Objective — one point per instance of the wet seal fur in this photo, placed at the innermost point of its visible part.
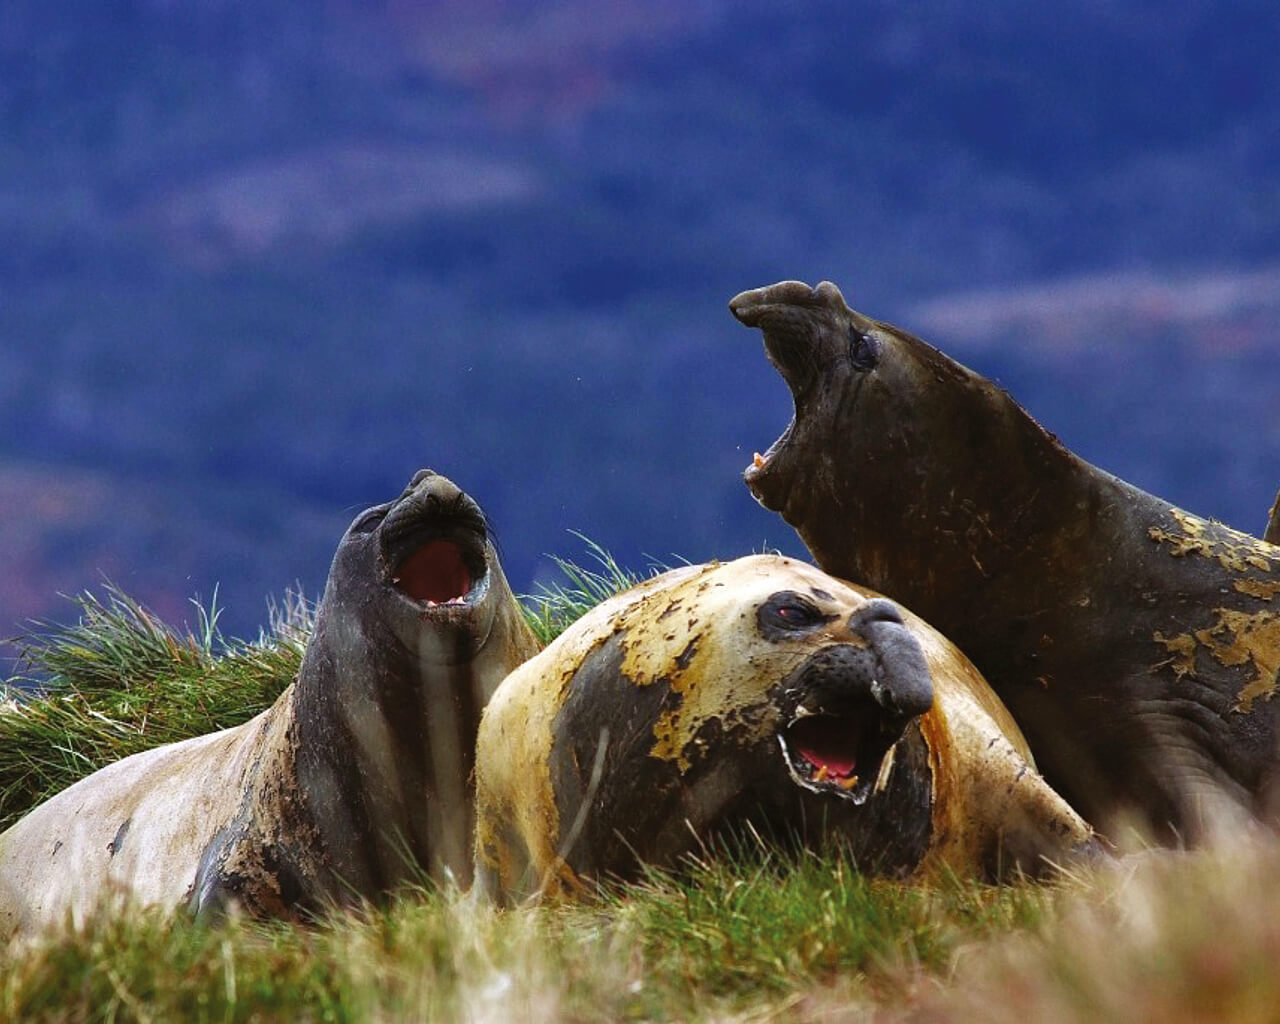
(358, 777)
(1138, 646)
(757, 693)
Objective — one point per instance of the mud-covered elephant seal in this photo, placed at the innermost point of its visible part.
(357, 775)
(761, 693)
(1137, 645)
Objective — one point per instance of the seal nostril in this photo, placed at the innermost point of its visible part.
(878, 609)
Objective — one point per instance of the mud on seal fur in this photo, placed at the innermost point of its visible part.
(761, 692)
(356, 778)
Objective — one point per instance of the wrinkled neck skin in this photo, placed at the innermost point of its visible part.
(388, 703)
(1087, 603)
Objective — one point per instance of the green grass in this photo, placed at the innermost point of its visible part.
(118, 681)
(721, 941)
(556, 606)
(1169, 937)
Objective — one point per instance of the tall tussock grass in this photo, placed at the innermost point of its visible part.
(118, 681)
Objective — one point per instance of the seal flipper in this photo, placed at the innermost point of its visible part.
(210, 898)
(1272, 536)
(238, 873)
(1016, 822)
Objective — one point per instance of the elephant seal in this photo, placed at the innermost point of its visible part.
(763, 694)
(356, 778)
(1136, 645)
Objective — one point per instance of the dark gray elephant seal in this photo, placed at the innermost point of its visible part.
(356, 778)
(1138, 646)
(759, 693)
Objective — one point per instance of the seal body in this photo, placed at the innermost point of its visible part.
(1136, 645)
(758, 694)
(358, 777)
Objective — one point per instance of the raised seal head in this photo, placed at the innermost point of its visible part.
(872, 403)
(421, 572)
(416, 629)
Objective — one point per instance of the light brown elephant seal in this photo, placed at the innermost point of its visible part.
(1137, 645)
(358, 777)
(759, 693)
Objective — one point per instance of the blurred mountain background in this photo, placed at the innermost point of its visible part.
(262, 260)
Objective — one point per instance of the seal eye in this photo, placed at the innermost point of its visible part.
(367, 520)
(787, 613)
(864, 349)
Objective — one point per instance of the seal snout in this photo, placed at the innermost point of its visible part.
(756, 307)
(849, 703)
(903, 687)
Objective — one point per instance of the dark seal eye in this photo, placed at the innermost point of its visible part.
(787, 613)
(368, 520)
(864, 349)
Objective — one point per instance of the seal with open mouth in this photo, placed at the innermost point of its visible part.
(1137, 645)
(760, 693)
(357, 778)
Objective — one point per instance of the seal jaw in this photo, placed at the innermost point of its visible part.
(839, 755)
(807, 333)
(441, 569)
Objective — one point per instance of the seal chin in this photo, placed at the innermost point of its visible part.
(841, 754)
(763, 476)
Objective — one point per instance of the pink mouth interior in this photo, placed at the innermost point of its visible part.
(436, 574)
(824, 742)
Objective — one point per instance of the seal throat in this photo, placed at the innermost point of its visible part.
(837, 754)
(435, 574)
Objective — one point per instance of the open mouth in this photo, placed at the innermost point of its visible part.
(839, 754)
(435, 574)
(787, 348)
(760, 462)
(438, 561)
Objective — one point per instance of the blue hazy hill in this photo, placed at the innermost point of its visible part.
(264, 260)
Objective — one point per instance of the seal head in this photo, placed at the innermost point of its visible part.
(416, 629)
(850, 702)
